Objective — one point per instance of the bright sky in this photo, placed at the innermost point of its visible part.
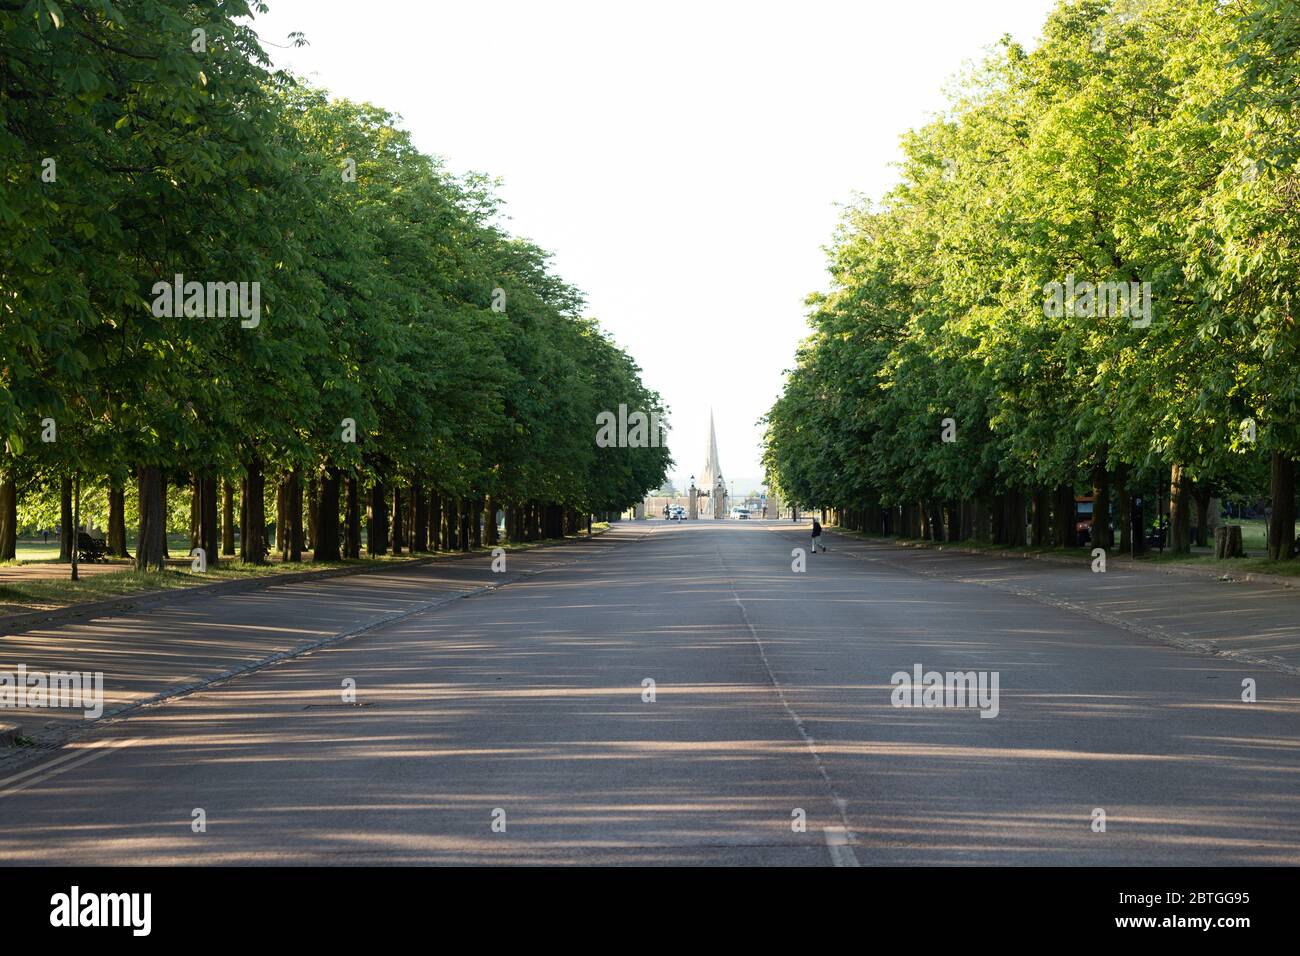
(683, 160)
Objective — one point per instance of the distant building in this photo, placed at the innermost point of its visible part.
(712, 473)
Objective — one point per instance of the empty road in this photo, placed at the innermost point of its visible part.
(519, 726)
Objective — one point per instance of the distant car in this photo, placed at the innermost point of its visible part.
(1083, 521)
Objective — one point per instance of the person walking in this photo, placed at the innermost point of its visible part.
(816, 535)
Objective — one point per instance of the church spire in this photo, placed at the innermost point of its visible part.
(712, 470)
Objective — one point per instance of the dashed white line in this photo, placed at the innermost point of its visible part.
(837, 841)
(842, 849)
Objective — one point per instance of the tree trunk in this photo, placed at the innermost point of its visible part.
(295, 517)
(436, 541)
(228, 520)
(1227, 541)
(1041, 525)
(1014, 519)
(1281, 526)
(326, 535)
(408, 519)
(354, 519)
(149, 548)
(252, 545)
(116, 542)
(281, 514)
(1202, 492)
(959, 518)
(490, 521)
(67, 534)
(1137, 524)
(1180, 510)
(313, 512)
(8, 520)
(1101, 535)
(476, 524)
(209, 530)
(1123, 507)
(398, 539)
(377, 525)
(195, 494)
(420, 529)
(352, 514)
(1065, 536)
(76, 519)
(981, 528)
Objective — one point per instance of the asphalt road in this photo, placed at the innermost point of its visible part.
(527, 706)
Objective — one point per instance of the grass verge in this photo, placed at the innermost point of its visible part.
(17, 597)
(1205, 562)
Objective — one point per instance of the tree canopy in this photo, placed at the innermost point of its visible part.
(1083, 280)
(374, 321)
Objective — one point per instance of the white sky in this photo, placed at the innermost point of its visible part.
(683, 160)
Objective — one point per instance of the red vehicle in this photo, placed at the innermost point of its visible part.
(1083, 519)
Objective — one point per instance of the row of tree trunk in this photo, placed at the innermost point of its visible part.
(411, 518)
(1045, 517)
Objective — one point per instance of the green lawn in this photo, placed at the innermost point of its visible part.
(1252, 535)
(37, 549)
(20, 596)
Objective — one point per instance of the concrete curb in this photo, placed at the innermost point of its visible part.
(18, 623)
(1120, 564)
(9, 734)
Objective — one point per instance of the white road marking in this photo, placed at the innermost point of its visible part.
(837, 841)
(842, 850)
(77, 758)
